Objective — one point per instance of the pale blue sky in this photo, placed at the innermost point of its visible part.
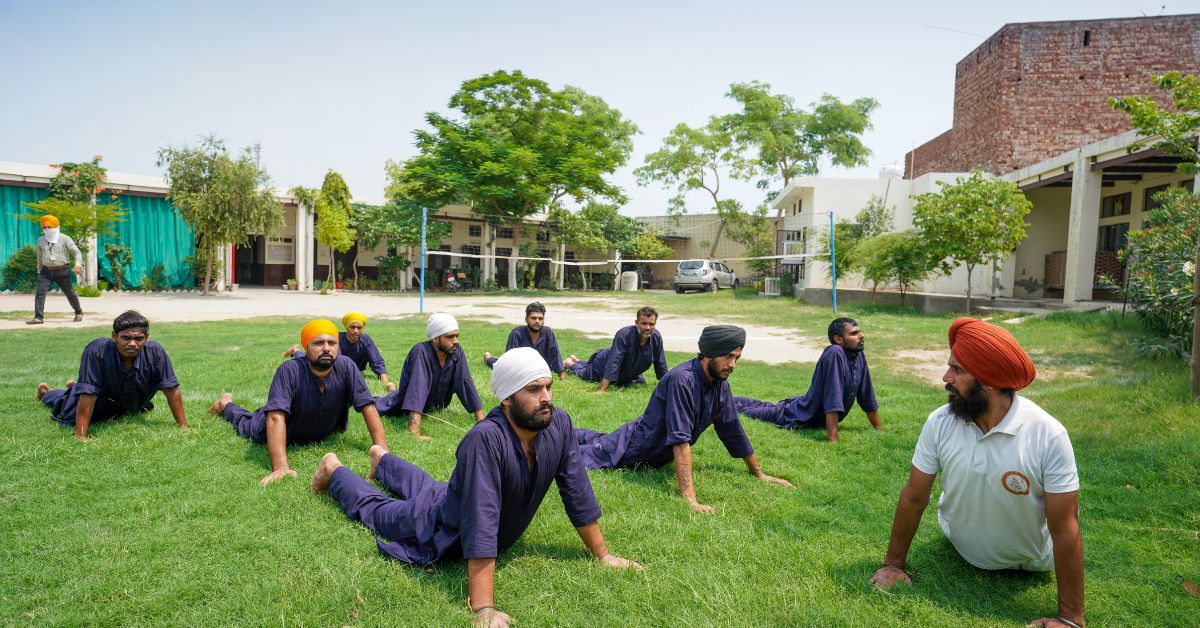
(343, 84)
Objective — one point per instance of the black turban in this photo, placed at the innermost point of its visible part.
(721, 340)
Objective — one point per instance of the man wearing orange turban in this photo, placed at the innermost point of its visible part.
(1009, 480)
(357, 346)
(310, 398)
(55, 251)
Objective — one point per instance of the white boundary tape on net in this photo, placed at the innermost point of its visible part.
(615, 261)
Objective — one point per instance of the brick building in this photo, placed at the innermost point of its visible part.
(1034, 90)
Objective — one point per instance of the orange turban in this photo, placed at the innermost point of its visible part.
(317, 328)
(990, 354)
(48, 221)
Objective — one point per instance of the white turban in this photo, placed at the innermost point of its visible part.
(515, 369)
(440, 324)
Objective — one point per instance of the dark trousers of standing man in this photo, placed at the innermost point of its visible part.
(61, 276)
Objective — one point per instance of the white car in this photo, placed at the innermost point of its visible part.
(703, 274)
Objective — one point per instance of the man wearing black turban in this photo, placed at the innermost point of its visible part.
(841, 377)
(688, 399)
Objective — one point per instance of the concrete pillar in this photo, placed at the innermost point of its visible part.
(299, 250)
(310, 245)
(488, 264)
(91, 271)
(1081, 231)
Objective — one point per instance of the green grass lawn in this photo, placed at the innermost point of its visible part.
(151, 525)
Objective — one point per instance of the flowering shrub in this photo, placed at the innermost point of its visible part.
(1161, 264)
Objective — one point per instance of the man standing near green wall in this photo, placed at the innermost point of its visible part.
(55, 251)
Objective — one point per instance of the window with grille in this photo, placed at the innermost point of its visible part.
(543, 252)
(569, 256)
(1112, 238)
(444, 247)
(502, 251)
(470, 249)
(504, 233)
(475, 231)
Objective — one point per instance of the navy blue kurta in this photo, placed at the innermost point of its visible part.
(546, 345)
(311, 415)
(683, 405)
(840, 377)
(363, 353)
(426, 385)
(118, 391)
(624, 362)
(487, 505)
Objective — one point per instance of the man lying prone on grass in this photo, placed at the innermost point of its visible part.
(504, 466)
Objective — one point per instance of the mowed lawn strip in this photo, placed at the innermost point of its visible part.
(151, 525)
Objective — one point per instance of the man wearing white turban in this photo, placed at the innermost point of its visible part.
(504, 466)
(434, 371)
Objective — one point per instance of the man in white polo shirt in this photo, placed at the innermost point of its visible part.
(1009, 480)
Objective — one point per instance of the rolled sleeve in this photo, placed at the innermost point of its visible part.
(90, 380)
(166, 371)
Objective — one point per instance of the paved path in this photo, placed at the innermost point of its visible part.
(598, 317)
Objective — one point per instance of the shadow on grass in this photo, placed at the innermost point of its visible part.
(942, 577)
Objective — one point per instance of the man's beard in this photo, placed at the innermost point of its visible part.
(532, 329)
(970, 407)
(533, 420)
(714, 371)
(446, 350)
(323, 363)
(858, 349)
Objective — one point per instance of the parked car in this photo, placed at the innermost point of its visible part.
(703, 274)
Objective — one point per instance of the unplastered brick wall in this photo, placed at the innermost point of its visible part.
(1032, 91)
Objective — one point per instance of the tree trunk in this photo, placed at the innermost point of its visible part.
(712, 252)
(354, 265)
(329, 282)
(208, 267)
(561, 268)
(970, 268)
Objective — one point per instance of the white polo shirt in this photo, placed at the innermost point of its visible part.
(993, 505)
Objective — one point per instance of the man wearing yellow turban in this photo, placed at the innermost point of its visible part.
(1009, 481)
(310, 398)
(55, 250)
(357, 346)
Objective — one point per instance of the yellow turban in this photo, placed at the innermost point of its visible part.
(317, 328)
(351, 317)
(48, 221)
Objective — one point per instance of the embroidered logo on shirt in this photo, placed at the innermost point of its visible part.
(1015, 482)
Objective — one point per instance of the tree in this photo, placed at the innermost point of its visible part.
(696, 159)
(897, 258)
(222, 198)
(976, 220)
(396, 225)
(333, 218)
(595, 228)
(517, 148)
(1177, 128)
(872, 220)
(71, 197)
(790, 141)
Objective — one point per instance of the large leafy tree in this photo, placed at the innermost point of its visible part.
(789, 141)
(692, 160)
(897, 258)
(515, 148)
(1175, 129)
(977, 220)
(222, 197)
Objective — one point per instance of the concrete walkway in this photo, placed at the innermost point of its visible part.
(598, 317)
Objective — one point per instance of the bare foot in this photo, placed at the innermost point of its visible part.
(487, 357)
(320, 481)
(42, 389)
(70, 383)
(219, 405)
(376, 455)
(570, 361)
(287, 353)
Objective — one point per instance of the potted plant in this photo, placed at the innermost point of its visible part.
(291, 284)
